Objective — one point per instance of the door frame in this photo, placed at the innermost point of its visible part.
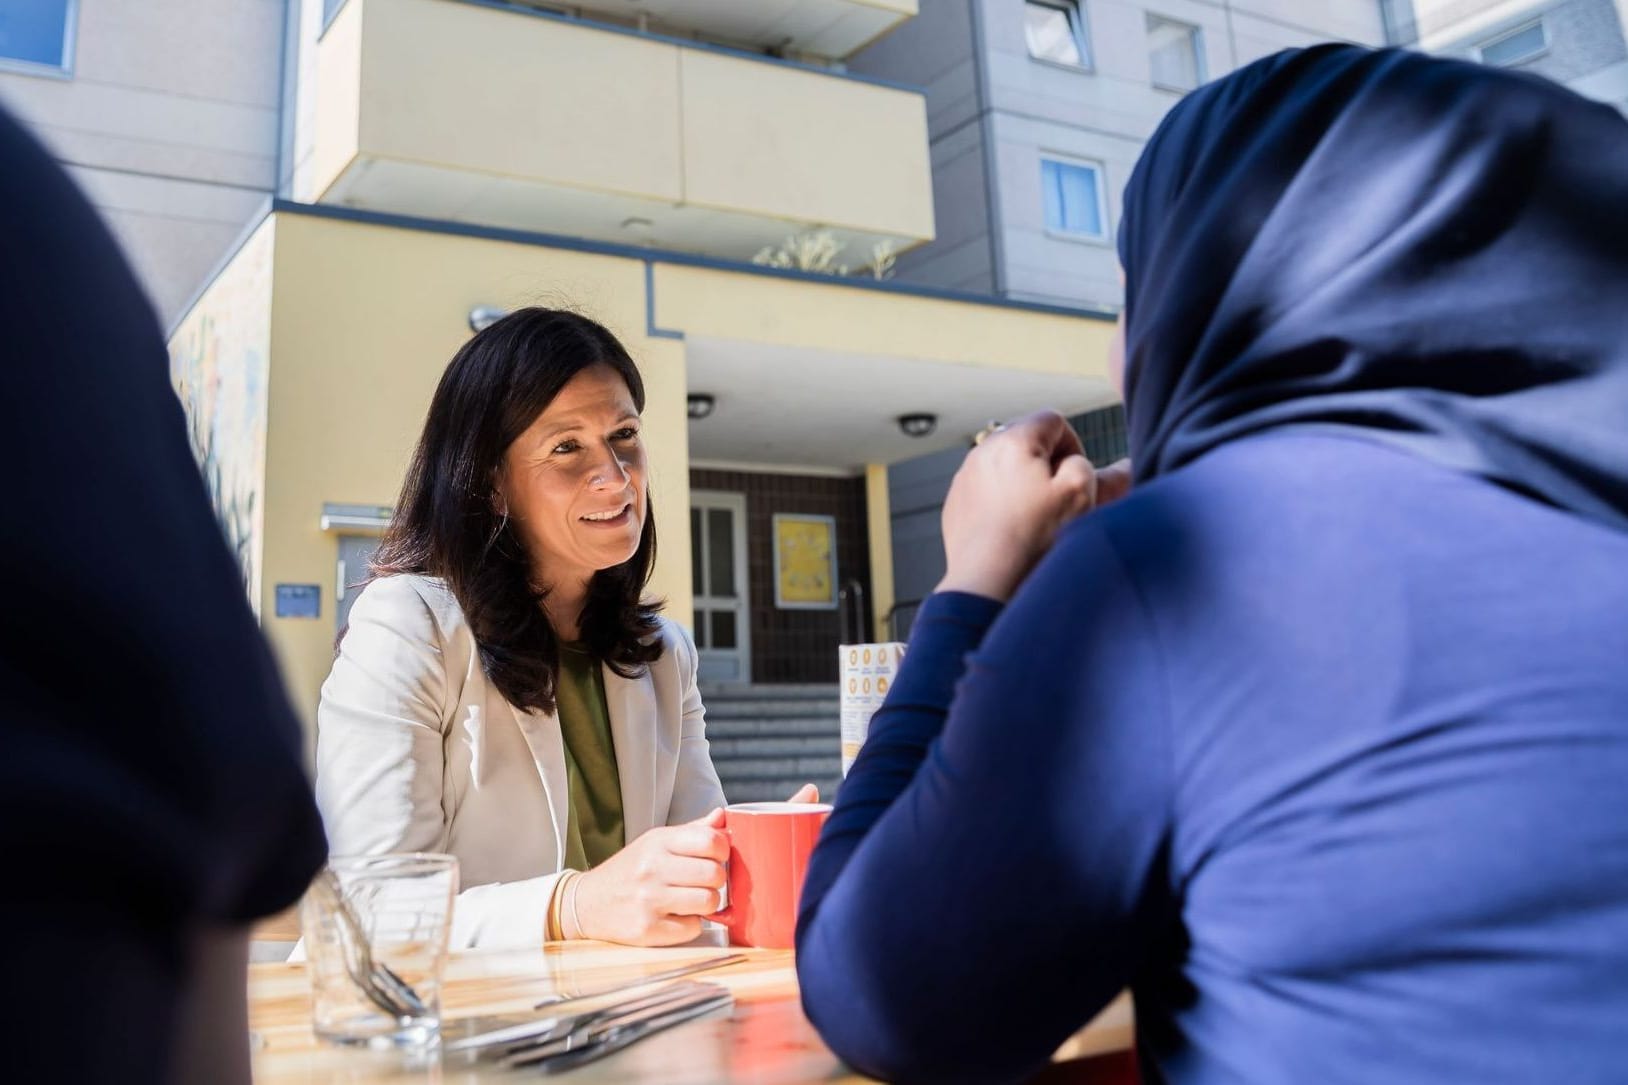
(734, 502)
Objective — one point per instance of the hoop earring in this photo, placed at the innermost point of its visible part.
(497, 533)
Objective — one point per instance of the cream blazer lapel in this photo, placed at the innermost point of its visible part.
(635, 731)
(542, 735)
(631, 704)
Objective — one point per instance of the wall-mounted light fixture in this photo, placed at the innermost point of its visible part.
(482, 317)
(919, 424)
(700, 404)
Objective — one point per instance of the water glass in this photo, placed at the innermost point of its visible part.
(403, 905)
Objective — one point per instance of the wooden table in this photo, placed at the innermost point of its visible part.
(765, 1041)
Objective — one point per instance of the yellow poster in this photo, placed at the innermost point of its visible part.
(805, 562)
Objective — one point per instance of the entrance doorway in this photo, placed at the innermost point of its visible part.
(718, 568)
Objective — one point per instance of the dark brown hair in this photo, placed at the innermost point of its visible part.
(445, 523)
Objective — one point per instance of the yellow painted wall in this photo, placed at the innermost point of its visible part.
(879, 536)
(337, 112)
(792, 143)
(853, 320)
(364, 318)
(364, 321)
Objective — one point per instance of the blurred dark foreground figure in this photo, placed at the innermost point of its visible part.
(1318, 738)
(152, 801)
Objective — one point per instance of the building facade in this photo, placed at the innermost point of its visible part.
(839, 236)
(166, 112)
(1576, 42)
(1038, 109)
(451, 159)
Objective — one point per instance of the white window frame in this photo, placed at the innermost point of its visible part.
(70, 38)
(1074, 12)
(1543, 28)
(1201, 65)
(1101, 170)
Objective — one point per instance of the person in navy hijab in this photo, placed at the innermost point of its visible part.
(1315, 739)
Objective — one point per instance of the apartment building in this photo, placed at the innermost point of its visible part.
(1038, 109)
(1576, 42)
(451, 159)
(166, 112)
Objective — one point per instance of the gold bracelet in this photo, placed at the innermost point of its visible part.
(576, 920)
(553, 923)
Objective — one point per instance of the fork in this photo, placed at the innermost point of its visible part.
(377, 980)
(590, 1030)
(552, 1002)
(612, 1038)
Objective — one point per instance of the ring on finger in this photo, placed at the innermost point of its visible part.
(989, 430)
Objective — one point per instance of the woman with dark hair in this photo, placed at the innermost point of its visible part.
(1317, 738)
(504, 691)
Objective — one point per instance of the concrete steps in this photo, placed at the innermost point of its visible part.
(767, 741)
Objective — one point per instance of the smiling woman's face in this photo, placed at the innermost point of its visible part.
(574, 482)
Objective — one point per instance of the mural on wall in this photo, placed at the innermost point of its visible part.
(219, 364)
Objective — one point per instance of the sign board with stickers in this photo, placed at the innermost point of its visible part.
(805, 562)
(867, 672)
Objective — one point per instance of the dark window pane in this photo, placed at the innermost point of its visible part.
(696, 543)
(723, 629)
(721, 552)
(701, 629)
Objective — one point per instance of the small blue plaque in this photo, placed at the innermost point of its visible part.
(299, 601)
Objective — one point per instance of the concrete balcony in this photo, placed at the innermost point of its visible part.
(503, 117)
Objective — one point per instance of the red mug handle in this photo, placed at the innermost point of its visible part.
(726, 914)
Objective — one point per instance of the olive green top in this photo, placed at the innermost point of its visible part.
(595, 831)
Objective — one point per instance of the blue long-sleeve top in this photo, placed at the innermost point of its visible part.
(1320, 749)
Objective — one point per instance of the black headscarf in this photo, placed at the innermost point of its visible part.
(1423, 252)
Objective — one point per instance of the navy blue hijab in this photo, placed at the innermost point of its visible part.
(1423, 252)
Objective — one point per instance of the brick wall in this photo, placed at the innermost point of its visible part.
(795, 645)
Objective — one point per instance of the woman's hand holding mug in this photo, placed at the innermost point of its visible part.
(657, 890)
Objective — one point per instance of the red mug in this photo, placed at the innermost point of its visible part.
(769, 846)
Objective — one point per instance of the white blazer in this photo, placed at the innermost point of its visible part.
(418, 751)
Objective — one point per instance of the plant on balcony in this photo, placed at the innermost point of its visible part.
(818, 251)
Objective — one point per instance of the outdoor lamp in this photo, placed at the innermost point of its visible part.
(918, 425)
(482, 317)
(700, 404)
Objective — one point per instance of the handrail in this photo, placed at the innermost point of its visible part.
(890, 619)
(851, 592)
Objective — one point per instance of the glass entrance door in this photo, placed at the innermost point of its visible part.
(718, 567)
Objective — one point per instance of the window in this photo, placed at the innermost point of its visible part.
(1072, 193)
(1515, 46)
(1177, 54)
(37, 35)
(1055, 30)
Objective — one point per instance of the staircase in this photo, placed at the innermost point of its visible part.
(767, 741)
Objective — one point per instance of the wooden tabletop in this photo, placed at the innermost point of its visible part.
(766, 1040)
